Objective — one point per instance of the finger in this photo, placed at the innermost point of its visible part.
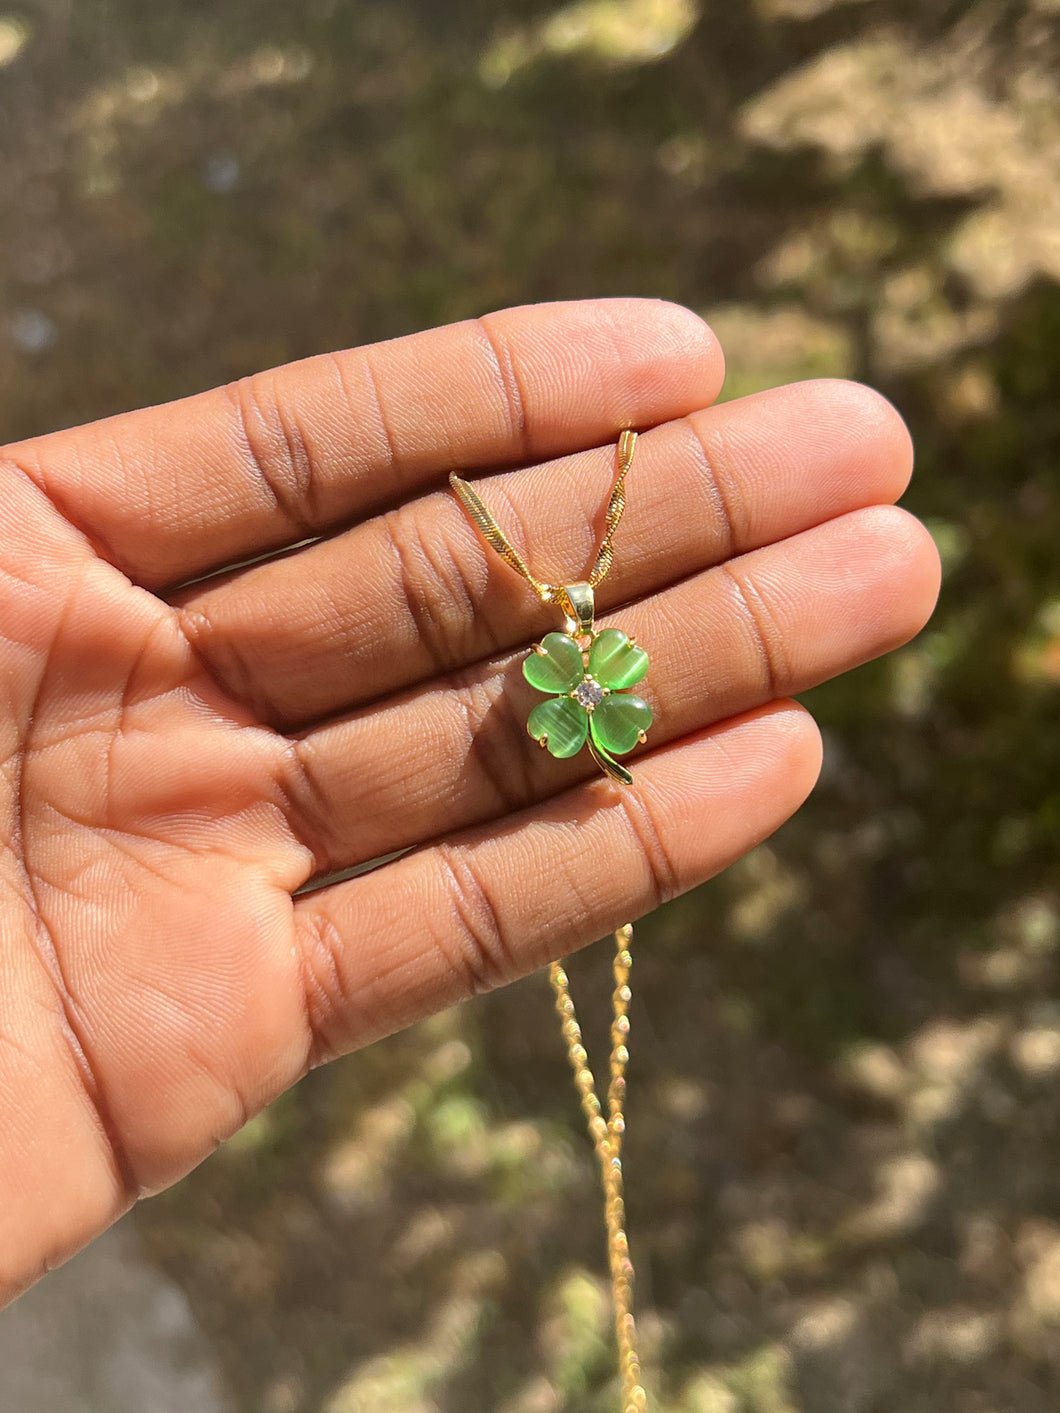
(772, 623)
(415, 593)
(173, 491)
(465, 916)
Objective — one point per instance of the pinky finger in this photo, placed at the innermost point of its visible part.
(491, 905)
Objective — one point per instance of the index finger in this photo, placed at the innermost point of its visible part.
(170, 492)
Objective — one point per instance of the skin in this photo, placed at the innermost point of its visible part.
(181, 757)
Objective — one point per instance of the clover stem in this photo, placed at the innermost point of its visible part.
(607, 765)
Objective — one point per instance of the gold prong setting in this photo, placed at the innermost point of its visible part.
(589, 693)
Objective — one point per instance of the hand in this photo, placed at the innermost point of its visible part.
(179, 761)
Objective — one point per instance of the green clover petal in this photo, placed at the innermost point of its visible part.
(615, 662)
(617, 722)
(558, 668)
(563, 722)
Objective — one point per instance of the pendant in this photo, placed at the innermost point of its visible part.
(586, 674)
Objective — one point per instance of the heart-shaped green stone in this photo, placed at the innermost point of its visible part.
(615, 662)
(617, 722)
(557, 667)
(563, 722)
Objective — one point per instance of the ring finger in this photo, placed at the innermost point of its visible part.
(454, 752)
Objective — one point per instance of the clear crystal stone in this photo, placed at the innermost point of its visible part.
(589, 693)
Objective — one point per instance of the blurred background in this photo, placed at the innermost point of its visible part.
(843, 1156)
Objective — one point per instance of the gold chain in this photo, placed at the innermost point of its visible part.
(498, 540)
(606, 1133)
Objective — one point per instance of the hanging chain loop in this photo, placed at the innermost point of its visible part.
(606, 1135)
(576, 601)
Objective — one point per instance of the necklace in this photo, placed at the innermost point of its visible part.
(585, 673)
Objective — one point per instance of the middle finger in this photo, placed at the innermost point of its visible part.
(411, 594)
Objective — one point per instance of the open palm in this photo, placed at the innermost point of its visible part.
(182, 757)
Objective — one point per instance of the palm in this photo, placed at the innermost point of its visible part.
(152, 932)
(180, 763)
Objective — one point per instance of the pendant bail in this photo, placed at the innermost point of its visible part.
(577, 603)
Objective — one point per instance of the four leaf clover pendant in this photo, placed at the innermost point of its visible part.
(586, 674)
